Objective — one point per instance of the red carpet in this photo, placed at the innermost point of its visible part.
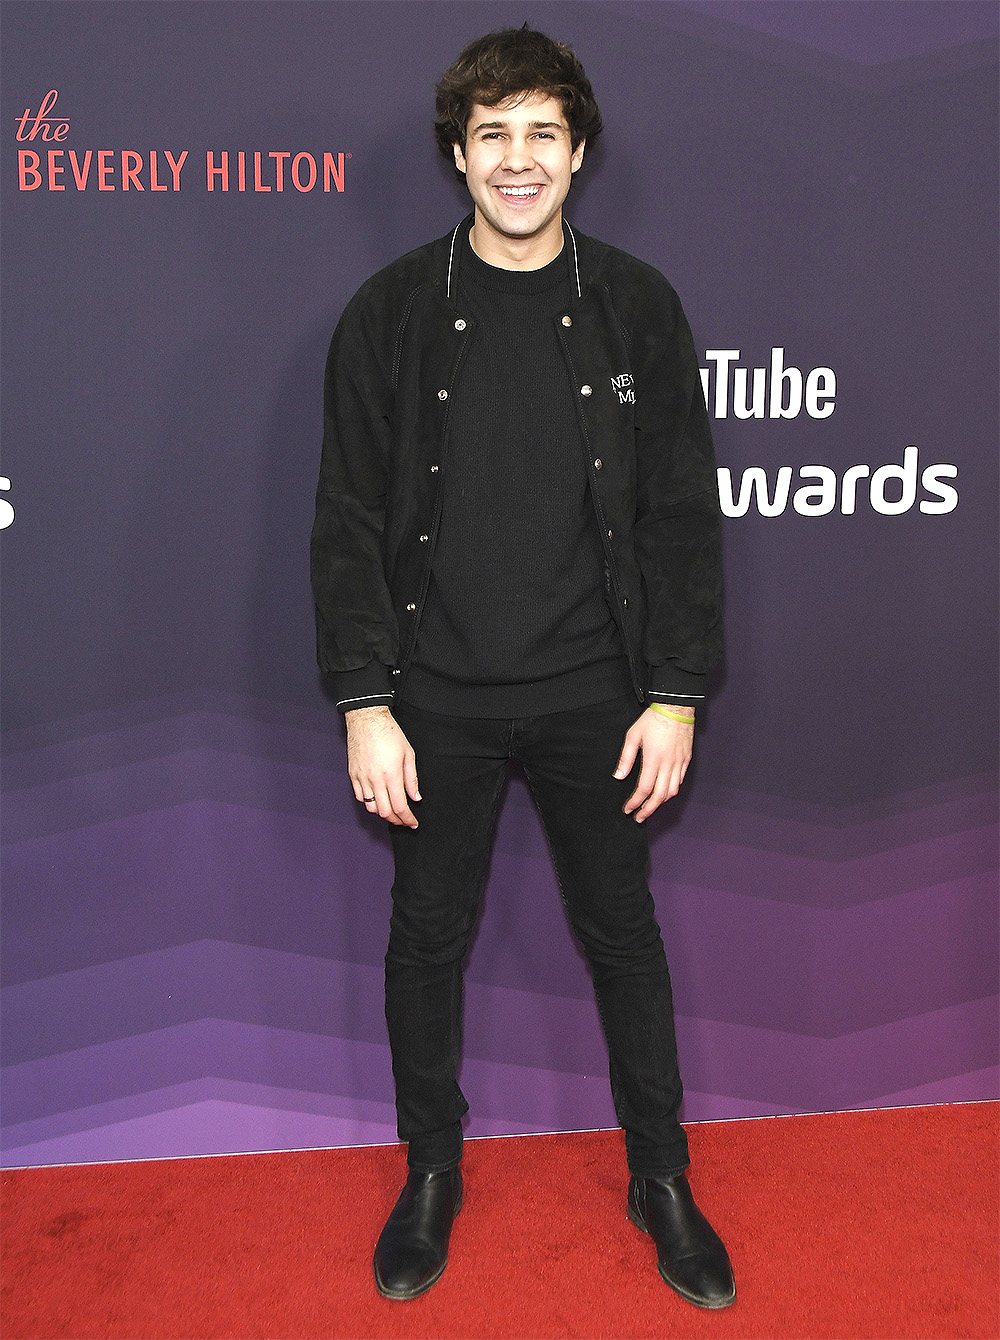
(859, 1225)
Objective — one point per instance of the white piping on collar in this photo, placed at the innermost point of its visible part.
(451, 257)
(576, 261)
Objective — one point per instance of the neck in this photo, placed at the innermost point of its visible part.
(516, 253)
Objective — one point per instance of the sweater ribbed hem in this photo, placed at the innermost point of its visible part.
(560, 693)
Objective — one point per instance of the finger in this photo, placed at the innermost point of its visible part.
(677, 775)
(627, 757)
(397, 798)
(358, 789)
(653, 802)
(668, 784)
(676, 778)
(645, 784)
(384, 807)
(410, 776)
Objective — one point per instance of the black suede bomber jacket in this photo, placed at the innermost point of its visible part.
(390, 378)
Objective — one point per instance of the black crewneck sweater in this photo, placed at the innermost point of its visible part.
(516, 622)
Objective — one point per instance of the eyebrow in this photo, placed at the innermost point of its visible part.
(532, 125)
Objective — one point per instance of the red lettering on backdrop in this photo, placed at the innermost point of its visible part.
(81, 176)
(333, 172)
(311, 179)
(175, 166)
(104, 170)
(279, 158)
(55, 169)
(154, 184)
(26, 169)
(303, 169)
(212, 171)
(42, 126)
(131, 167)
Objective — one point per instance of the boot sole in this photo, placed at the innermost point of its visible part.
(688, 1297)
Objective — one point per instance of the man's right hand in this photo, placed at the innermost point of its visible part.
(381, 765)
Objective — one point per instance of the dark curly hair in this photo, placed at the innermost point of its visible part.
(503, 65)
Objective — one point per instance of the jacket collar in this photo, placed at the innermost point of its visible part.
(451, 242)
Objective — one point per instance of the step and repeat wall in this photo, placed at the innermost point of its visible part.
(195, 908)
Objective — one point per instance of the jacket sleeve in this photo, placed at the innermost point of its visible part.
(356, 632)
(677, 531)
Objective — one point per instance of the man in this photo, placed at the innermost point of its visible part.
(515, 555)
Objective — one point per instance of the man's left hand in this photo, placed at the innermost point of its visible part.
(666, 747)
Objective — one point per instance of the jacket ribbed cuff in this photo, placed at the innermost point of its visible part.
(670, 684)
(367, 687)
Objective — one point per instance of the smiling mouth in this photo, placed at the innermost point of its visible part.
(519, 192)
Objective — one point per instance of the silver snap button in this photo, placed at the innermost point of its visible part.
(567, 320)
(397, 672)
(411, 607)
(424, 539)
(434, 469)
(597, 463)
(624, 606)
(586, 390)
(459, 324)
(442, 394)
(611, 535)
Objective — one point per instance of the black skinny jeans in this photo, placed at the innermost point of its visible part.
(600, 855)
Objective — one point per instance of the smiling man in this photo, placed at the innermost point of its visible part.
(518, 159)
(516, 556)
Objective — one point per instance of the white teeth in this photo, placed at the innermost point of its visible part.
(519, 190)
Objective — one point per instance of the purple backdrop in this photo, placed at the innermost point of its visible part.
(195, 909)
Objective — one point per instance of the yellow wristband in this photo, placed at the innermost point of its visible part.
(674, 716)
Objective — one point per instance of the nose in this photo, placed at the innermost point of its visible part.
(518, 157)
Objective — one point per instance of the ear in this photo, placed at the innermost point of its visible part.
(577, 158)
(459, 156)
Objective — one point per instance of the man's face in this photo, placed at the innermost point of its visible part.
(518, 164)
